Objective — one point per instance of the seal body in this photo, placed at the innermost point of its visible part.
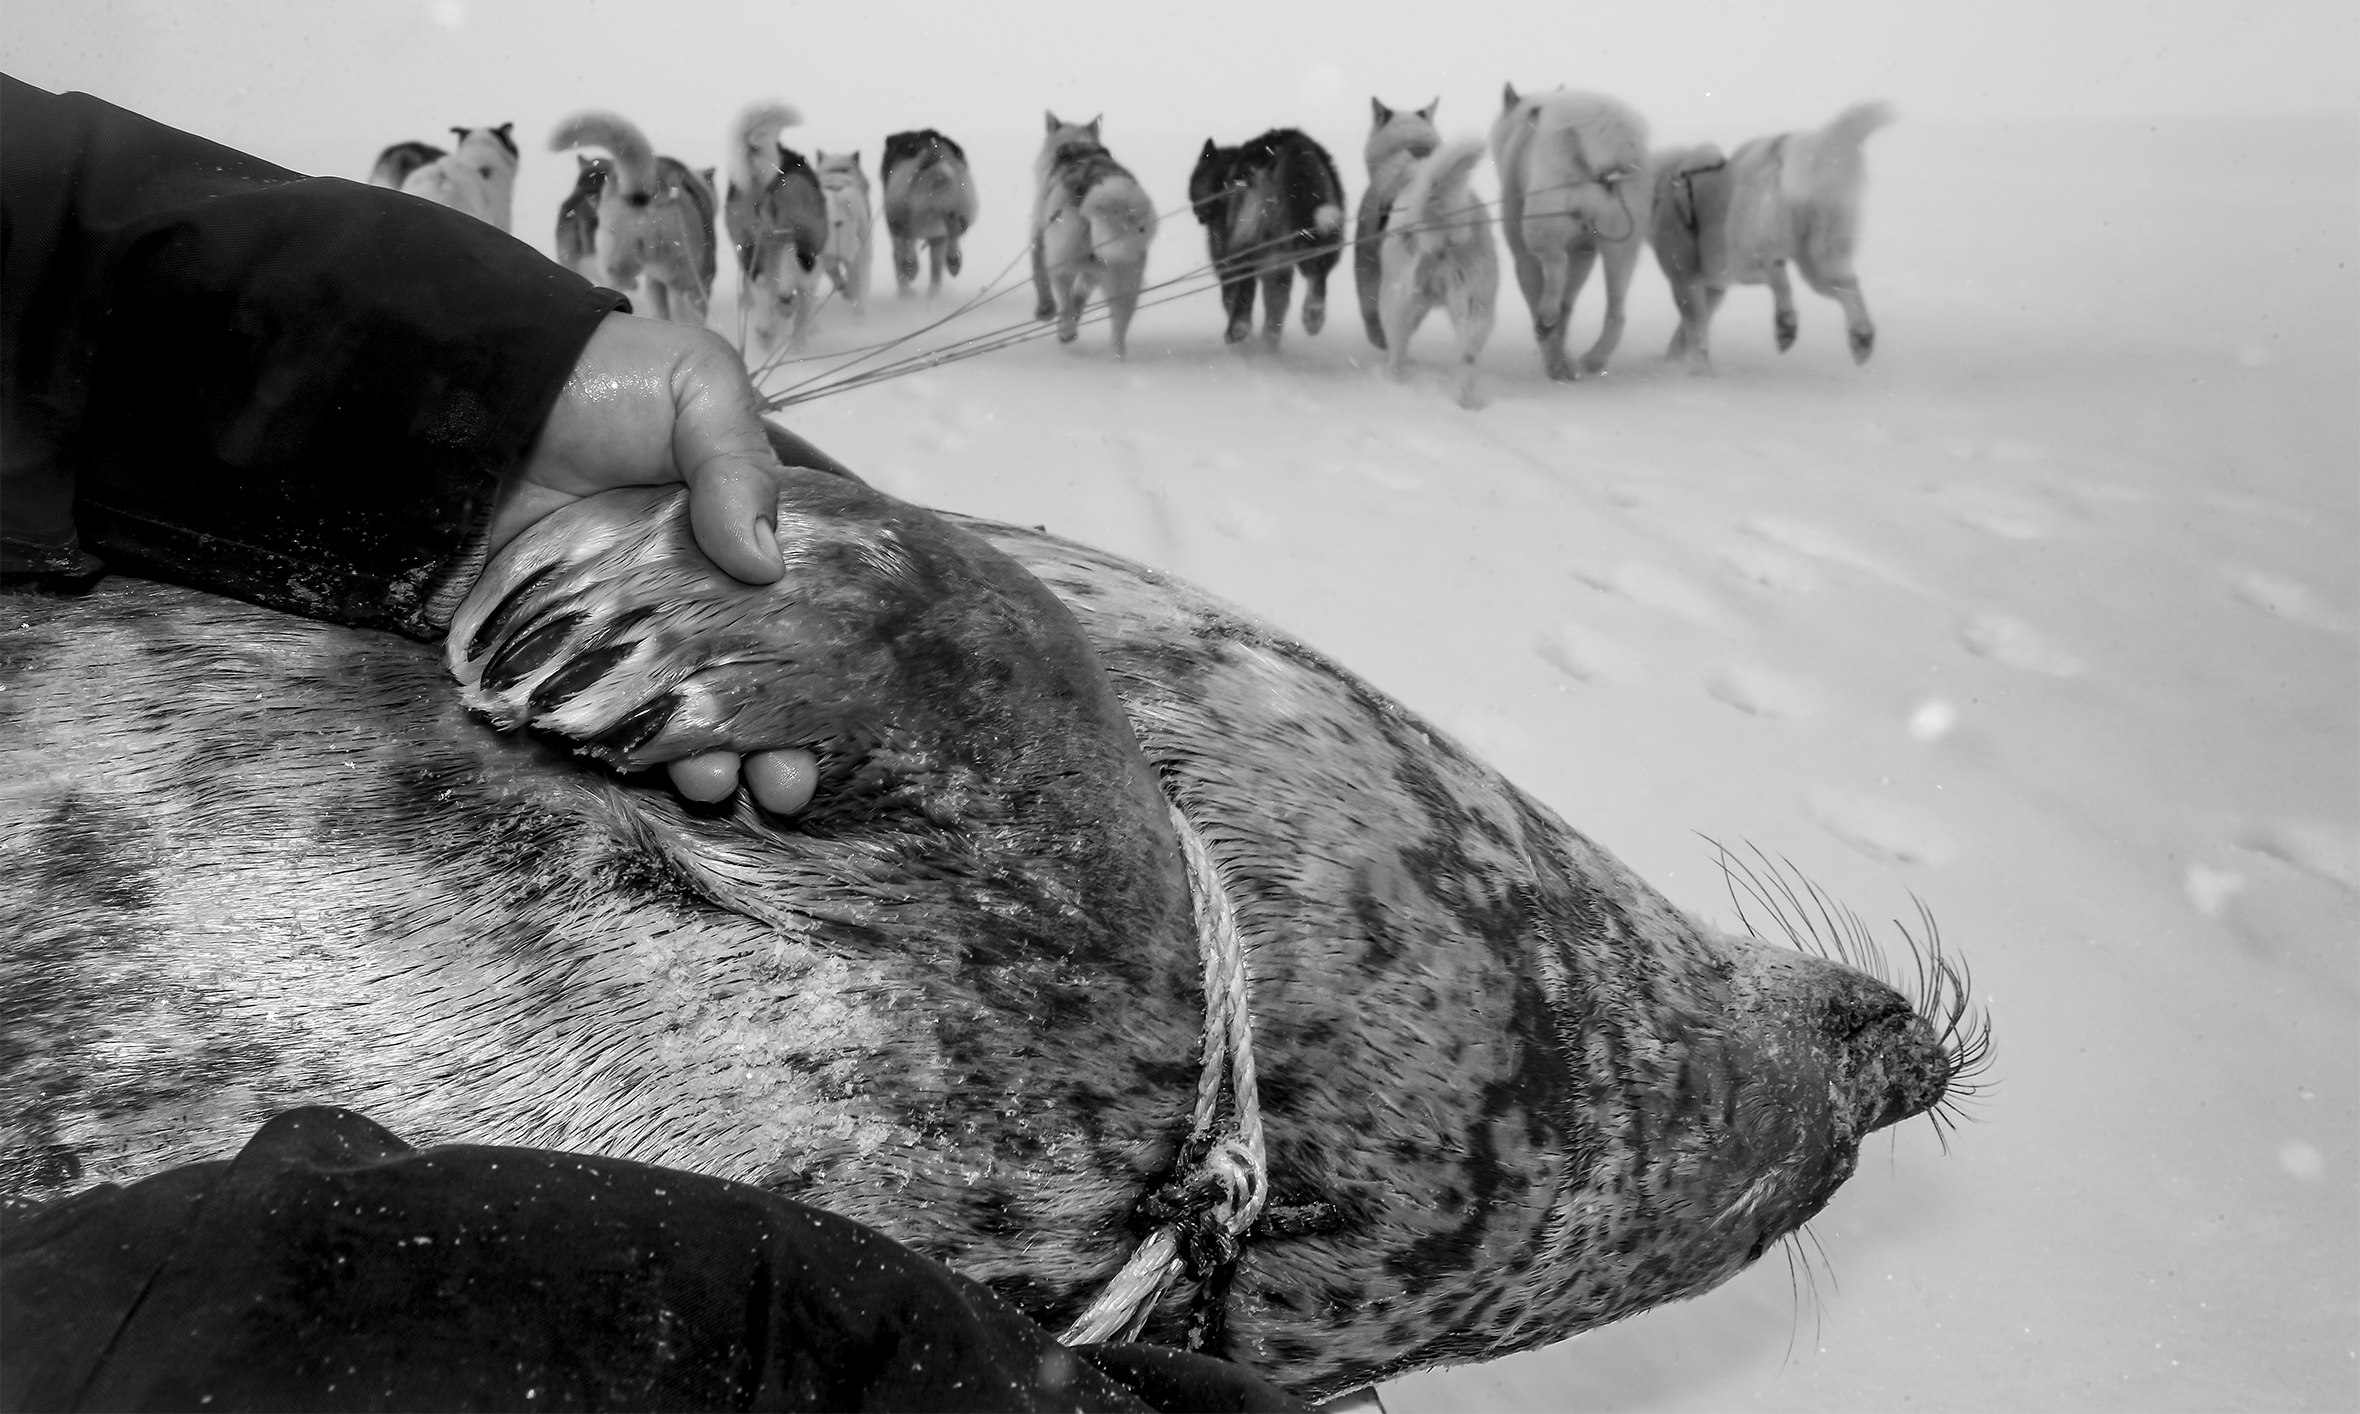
(257, 862)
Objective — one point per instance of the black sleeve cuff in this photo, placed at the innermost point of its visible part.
(306, 396)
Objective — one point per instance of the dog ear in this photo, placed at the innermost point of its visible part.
(1427, 112)
(1091, 127)
(462, 133)
(1207, 154)
(1054, 125)
(1507, 95)
(1379, 111)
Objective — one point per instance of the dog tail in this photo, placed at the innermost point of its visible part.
(1122, 223)
(1852, 127)
(753, 150)
(1609, 141)
(1825, 167)
(635, 161)
(1312, 192)
(1437, 197)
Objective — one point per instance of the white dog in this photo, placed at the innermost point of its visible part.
(479, 178)
(1092, 224)
(655, 218)
(1397, 140)
(1570, 193)
(1737, 221)
(778, 220)
(1437, 251)
(846, 258)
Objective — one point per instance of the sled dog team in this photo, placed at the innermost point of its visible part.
(1578, 188)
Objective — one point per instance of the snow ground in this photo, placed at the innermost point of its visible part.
(2045, 617)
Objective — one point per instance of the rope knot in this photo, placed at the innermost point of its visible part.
(1198, 1219)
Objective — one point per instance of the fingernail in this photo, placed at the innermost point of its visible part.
(766, 540)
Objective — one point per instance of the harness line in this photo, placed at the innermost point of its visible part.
(1225, 1172)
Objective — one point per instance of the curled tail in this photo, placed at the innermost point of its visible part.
(753, 151)
(635, 161)
(1852, 127)
(1312, 192)
(1825, 166)
(1437, 196)
(1122, 224)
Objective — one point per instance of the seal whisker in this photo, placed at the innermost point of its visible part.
(1940, 987)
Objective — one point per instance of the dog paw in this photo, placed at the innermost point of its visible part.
(1045, 310)
(1314, 318)
(1785, 326)
(914, 663)
(1864, 343)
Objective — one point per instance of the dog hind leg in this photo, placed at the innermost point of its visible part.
(1368, 270)
(905, 263)
(1400, 313)
(1278, 290)
(1783, 323)
(1562, 272)
(934, 246)
(1471, 315)
(957, 227)
(1045, 300)
(1073, 292)
(1237, 297)
(1830, 273)
(1123, 283)
(1621, 257)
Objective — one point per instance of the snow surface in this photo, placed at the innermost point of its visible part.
(2045, 617)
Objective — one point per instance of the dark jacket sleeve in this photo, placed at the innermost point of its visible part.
(299, 391)
(331, 1266)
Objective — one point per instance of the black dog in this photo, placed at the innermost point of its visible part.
(1268, 206)
(577, 219)
(929, 201)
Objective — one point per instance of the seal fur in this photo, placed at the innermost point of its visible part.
(958, 998)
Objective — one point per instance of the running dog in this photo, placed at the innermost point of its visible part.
(929, 198)
(577, 219)
(846, 258)
(1437, 251)
(1570, 192)
(655, 218)
(778, 220)
(396, 163)
(778, 225)
(1267, 207)
(479, 178)
(1738, 220)
(1396, 143)
(1092, 224)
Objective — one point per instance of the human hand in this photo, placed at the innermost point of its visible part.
(648, 403)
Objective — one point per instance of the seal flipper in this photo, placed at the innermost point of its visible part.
(924, 668)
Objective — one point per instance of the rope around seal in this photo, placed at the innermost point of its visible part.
(1203, 1214)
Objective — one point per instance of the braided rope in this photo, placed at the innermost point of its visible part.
(1235, 1166)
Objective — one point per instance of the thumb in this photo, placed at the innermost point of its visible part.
(719, 446)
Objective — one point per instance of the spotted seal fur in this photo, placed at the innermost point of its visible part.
(256, 862)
